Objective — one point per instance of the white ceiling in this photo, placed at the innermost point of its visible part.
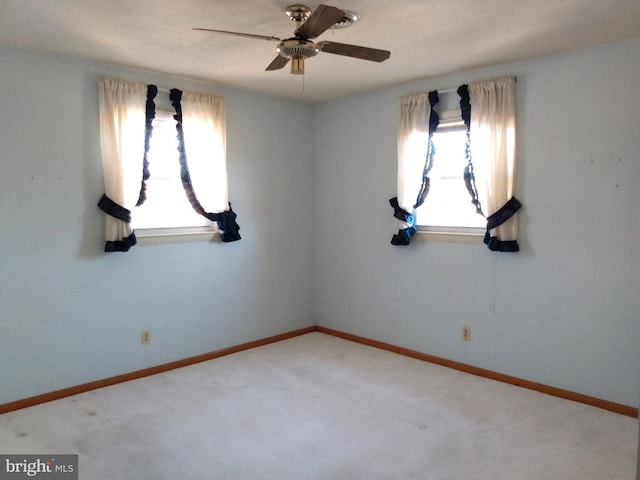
(425, 37)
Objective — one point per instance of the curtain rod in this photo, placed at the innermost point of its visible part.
(454, 89)
(440, 91)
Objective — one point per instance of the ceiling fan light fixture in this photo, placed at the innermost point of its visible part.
(348, 20)
(297, 65)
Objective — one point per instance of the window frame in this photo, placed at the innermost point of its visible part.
(171, 234)
(450, 120)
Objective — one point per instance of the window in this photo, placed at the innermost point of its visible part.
(195, 138)
(480, 156)
(448, 207)
(167, 210)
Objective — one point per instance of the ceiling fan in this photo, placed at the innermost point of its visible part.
(311, 25)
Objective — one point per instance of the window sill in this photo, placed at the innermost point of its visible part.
(154, 236)
(451, 234)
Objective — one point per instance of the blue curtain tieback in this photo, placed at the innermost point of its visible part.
(498, 218)
(110, 207)
(403, 237)
(400, 213)
(504, 213)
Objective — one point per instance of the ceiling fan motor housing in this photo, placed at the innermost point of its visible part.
(297, 47)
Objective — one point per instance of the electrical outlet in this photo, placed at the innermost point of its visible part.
(145, 337)
(466, 333)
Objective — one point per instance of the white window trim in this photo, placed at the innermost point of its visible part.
(154, 236)
(450, 234)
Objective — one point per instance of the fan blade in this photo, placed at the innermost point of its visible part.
(320, 20)
(239, 34)
(355, 51)
(278, 63)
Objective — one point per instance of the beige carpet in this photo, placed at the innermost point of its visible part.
(318, 407)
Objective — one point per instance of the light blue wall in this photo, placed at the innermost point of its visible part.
(70, 313)
(565, 311)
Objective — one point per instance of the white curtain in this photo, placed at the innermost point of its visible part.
(493, 150)
(413, 144)
(122, 135)
(413, 155)
(204, 125)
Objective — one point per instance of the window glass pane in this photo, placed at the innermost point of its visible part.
(448, 203)
(166, 205)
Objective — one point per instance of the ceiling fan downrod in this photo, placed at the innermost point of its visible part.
(298, 14)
